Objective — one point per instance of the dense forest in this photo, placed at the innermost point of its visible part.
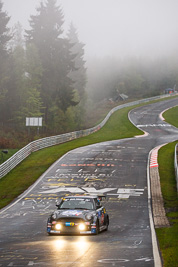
(43, 73)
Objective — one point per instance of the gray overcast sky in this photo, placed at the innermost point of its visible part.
(113, 27)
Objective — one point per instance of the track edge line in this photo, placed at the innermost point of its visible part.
(156, 252)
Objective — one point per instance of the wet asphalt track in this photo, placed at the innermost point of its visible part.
(117, 168)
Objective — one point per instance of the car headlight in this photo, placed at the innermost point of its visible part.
(58, 226)
(81, 226)
(89, 216)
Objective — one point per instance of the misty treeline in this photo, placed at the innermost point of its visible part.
(42, 71)
(43, 74)
(136, 77)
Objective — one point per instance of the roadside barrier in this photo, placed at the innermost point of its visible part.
(23, 153)
(176, 164)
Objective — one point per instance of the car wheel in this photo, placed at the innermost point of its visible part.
(97, 227)
(107, 223)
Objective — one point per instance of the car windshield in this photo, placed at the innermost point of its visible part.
(74, 203)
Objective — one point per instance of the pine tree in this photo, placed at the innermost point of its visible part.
(34, 70)
(78, 75)
(55, 56)
(16, 82)
(4, 31)
(4, 56)
(25, 80)
(17, 37)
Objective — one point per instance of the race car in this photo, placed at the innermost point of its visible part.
(78, 215)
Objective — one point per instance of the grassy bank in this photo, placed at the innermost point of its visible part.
(28, 171)
(4, 156)
(171, 116)
(168, 237)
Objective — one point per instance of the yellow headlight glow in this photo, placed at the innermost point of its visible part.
(81, 226)
(58, 226)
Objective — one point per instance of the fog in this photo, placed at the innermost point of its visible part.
(130, 52)
(115, 28)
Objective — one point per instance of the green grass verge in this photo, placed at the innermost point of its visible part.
(28, 171)
(171, 116)
(168, 237)
(4, 157)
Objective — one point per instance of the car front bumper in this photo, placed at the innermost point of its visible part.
(69, 228)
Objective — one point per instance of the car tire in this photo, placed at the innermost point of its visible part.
(97, 227)
(107, 223)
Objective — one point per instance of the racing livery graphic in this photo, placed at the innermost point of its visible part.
(78, 215)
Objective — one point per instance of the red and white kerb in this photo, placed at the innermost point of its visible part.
(154, 157)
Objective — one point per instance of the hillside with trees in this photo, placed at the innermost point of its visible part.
(44, 73)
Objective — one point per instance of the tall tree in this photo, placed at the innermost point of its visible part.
(25, 80)
(4, 31)
(16, 81)
(31, 102)
(78, 75)
(55, 56)
(17, 36)
(4, 56)
(34, 70)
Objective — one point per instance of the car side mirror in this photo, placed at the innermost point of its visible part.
(58, 204)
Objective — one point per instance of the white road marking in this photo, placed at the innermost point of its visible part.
(122, 193)
(126, 193)
(144, 259)
(102, 191)
(31, 263)
(138, 242)
(154, 125)
(113, 260)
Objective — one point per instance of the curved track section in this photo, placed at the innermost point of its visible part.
(117, 168)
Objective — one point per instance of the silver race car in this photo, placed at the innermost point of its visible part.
(78, 215)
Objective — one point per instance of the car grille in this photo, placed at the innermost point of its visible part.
(71, 229)
(71, 219)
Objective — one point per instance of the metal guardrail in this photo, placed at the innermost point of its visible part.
(23, 153)
(176, 163)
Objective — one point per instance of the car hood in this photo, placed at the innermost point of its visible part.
(70, 213)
